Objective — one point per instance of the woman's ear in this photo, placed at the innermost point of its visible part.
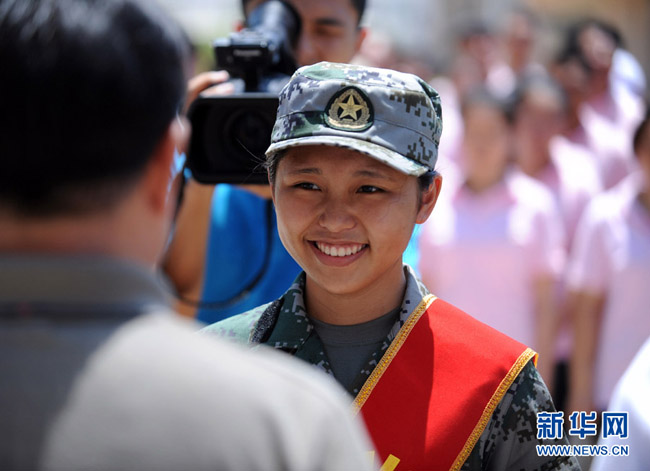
(428, 199)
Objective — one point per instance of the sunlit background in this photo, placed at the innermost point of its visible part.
(426, 30)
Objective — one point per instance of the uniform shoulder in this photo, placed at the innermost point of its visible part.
(509, 441)
(237, 328)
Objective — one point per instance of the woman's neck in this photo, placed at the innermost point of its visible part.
(536, 163)
(481, 183)
(384, 294)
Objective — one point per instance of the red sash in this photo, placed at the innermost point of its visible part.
(429, 399)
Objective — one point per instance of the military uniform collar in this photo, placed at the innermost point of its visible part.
(293, 327)
(294, 332)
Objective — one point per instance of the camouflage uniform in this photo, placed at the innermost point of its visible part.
(507, 443)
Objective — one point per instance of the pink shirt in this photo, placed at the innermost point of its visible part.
(612, 257)
(483, 252)
(572, 179)
(610, 121)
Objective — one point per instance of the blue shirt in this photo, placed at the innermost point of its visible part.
(242, 246)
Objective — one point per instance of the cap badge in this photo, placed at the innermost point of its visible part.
(349, 110)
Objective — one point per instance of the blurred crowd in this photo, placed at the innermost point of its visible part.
(543, 226)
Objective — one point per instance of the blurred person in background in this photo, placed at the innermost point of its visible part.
(611, 112)
(495, 247)
(478, 55)
(609, 274)
(495, 58)
(572, 73)
(566, 169)
(97, 372)
(541, 152)
(517, 41)
(226, 256)
(520, 37)
(476, 49)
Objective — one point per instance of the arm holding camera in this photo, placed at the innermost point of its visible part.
(185, 259)
(232, 112)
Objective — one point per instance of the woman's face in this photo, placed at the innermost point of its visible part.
(485, 141)
(345, 217)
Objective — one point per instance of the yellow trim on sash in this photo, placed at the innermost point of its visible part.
(505, 384)
(395, 345)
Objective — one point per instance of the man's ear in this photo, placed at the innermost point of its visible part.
(429, 198)
(160, 170)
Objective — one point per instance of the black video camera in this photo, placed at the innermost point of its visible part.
(231, 133)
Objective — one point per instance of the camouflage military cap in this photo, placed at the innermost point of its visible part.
(392, 116)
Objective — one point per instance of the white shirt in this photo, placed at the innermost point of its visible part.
(631, 395)
(483, 252)
(243, 410)
(612, 258)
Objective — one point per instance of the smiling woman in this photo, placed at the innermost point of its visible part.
(346, 219)
(352, 170)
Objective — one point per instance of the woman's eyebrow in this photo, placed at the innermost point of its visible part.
(305, 170)
(371, 174)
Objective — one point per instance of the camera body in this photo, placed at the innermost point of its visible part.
(230, 133)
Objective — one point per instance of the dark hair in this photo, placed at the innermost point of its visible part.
(358, 5)
(89, 88)
(641, 137)
(482, 95)
(533, 84)
(572, 39)
(469, 28)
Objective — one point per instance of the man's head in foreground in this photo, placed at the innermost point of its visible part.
(89, 126)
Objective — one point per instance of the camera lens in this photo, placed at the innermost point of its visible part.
(248, 133)
(229, 137)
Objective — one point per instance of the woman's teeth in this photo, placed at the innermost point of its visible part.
(339, 250)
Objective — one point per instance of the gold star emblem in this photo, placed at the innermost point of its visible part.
(349, 110)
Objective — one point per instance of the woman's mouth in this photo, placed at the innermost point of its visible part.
(339, 250)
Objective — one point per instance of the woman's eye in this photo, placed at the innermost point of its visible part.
(307, 186)
(369, 189)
